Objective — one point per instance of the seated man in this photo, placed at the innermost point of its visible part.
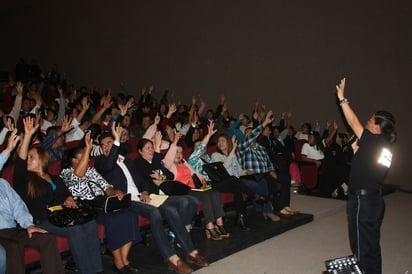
(12, 211)
(254, 158)
(121, 173)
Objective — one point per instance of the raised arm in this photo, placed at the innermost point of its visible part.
(210, 132)
(11, 144)
(85, 107)
(29, 129)
(105, 104)
(83, 165)
(350, 115)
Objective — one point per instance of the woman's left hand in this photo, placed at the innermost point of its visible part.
(119, 194)
(70, 202)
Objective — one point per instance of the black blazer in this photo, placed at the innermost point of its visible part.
(112, 173)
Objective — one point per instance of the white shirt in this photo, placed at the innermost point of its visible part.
(76, 133)
(131, 186)
(311, 152)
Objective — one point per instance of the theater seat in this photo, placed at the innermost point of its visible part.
(308, 171)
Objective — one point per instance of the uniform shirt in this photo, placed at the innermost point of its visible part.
(370, 163)
(254, 158)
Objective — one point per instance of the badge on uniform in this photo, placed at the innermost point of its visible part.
(385, 157)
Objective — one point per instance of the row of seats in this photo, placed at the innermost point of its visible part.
(31, 256)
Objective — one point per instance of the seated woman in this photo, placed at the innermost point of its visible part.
(85, 183)
(150, 166)
(38, 189)
(229, 185)
(212, 205)
(226, 153)
(312, 151)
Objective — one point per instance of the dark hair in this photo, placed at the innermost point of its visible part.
(105, 134)
(318, 140)
(142, 142)
(95, 131)
(228, 138)
(52, 129)
(386, 121)
(69, 155)
(308, 125)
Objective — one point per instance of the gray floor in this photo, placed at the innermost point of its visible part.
(304, 249)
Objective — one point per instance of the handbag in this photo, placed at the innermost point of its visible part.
(216, 171)
(196, 181)
(108, 203)
(174, 188)
(62, 216)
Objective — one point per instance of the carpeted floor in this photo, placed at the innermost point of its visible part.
(147, 257)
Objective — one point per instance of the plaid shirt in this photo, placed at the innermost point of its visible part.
(254, 158)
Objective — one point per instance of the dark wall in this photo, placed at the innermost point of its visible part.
(289, 53)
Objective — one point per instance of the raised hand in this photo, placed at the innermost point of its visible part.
(123, 109)
(85, 104)
(12, 141)
(211, 129)
(107, 102)
(177, 136)
(130, 102)
(19, 87)
(8, 121)
(60, 90)
(340, 89)
(66, 124)
(29, 126)
(268, 119)
(235, 143)
(158, 138)
(88, 141)
(157, 119)
(117, 131)
(172, 109)
(335, 124)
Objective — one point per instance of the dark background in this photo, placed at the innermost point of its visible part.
(289, 53)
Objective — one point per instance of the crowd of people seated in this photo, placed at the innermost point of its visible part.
(137, 141)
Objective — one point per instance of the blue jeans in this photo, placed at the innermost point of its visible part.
(186, 205)
(2, 260)
(172, 213)
(84, 244)
(261, 188)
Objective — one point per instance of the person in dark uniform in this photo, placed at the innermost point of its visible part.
(370, 164)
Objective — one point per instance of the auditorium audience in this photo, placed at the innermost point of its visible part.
(115, 168)
(39, 189)
(67, 113)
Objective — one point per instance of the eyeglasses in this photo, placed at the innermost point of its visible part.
(109, 143)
